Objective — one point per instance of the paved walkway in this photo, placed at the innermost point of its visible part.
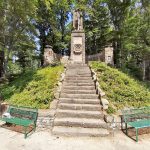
(43, 140)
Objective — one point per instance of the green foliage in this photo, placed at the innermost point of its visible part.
(26, 27)
(33, 88)
(121, 89)
(111, 110)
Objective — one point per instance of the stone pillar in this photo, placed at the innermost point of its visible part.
(109, 55)
(49, 55)
(78, 47)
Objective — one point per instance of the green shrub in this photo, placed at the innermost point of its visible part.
(121, 89)
(111, 110)
(33, 88)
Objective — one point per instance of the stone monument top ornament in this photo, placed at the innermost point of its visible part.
(77, 20)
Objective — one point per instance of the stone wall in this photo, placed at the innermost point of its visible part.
(107, 56)
(50, 57)
(45, 119)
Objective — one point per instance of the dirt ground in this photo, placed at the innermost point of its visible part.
(43, 140)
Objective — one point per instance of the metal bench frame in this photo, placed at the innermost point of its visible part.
(22, 116)
(137, 118)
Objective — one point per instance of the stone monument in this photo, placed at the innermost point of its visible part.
(49, 55)
(77, 38)
(108, 55)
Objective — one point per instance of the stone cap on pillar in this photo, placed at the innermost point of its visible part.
(48, 46)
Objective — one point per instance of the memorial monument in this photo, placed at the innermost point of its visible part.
(77, 38)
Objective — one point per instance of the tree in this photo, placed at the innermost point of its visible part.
(97, 26)
(16, 20)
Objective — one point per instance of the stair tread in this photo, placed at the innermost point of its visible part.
(79, 83)
(79, 90)
(81, 120)
(80, 96)
(70, 104)
(75, 86)
(80, 111)
(80, 131)
(80, 101)
(62, 98)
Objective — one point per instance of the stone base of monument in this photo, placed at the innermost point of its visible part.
(78, 46)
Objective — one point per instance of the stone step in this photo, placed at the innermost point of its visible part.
(77, 87)
(80, 122)
(79, 81)
(77, 65)
(79, 114)
(78, 78)
(78, 84)
(68, 91)
(88, 107)
(79, 101)
(82, 74)
(78, 131)
(75, 75)
(80, 96)
(78, 71)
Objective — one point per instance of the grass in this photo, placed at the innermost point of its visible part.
(33, 88)
(121, 89)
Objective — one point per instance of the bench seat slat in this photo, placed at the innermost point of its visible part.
(140, 124)
(137, 118)
(18, 121)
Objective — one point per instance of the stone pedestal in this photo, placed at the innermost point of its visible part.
(78, 46)
(109, 55)
(49, 55)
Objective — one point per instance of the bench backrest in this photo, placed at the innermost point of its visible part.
(23, 112)
(136, 114)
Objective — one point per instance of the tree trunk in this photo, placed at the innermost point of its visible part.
(62, 23)
(144, 70)
(43, 43)
(1, 63)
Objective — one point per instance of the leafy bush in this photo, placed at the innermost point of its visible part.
(121, 89)
(33, 88)
(111, 110)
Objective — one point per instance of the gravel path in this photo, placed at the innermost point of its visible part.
(43, 140)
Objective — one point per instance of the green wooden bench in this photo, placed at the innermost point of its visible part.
(137, 118)
(22, 116)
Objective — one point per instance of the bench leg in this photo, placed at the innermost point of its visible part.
(126, 129)
(25, 132)
(136, 135)
(34, 126)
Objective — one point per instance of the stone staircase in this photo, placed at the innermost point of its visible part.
(79, 111)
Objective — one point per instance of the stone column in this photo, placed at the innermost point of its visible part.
(109, 55)
(49, 55)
